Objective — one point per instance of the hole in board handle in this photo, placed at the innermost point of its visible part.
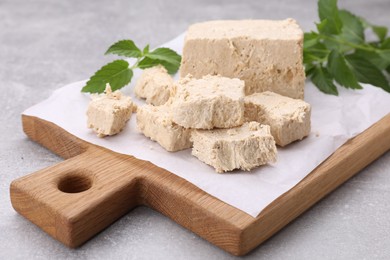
(74, 183)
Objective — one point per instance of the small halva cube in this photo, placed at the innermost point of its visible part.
(288, 118)
(209, 102)
(155, 122)
(108, 113)
(154, 85)
(244, 147)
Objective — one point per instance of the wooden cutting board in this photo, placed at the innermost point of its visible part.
(76, 199)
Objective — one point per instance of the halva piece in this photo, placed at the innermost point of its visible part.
(288, 118)
(244, 147)
(108, 113)
(155, 123)
(209, 102)
(266, 54)
(154, 85)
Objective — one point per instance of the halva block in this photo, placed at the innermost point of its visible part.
(244, 147)
(266, 54)
(208, 102)
(155, 122)
(154, 85)
(108, 113)
(288, 118)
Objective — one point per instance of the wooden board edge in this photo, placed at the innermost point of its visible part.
(330, 174)
(41, 131)
(250, 232)
(217, 222)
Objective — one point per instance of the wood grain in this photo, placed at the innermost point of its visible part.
(79, 197)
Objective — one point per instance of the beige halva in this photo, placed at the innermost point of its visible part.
(107, 114)
(156, 123)
(244, 147)
(267, 55)
(240, 93)
(209, 102)
(154, 85)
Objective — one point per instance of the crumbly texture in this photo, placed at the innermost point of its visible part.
(108, 113)
(288, 118)
(267, 55)
(244, 147)
(155, 122)
(209, 102)
(154, 85)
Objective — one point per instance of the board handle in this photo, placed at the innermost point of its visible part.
(77, 198)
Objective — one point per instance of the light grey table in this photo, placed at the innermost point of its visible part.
(45, 44)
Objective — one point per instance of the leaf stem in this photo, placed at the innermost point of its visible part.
(135, 65)
(356, 46)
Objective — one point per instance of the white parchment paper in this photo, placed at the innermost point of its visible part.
(334, 121)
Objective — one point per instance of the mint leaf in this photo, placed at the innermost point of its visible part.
(380, 31)
(373, 57)
(321, 26)
(117, 74)
(319, 50)
(126, 48)
(384, 54)
(352, 30)
(366, 72)
(148, 63)
(385, 44)
(310, 39)
(328, 40)
(315, 50)
(309, 58)
(165, 54)
(323, 80)
(327, 9)
(339, 51)
(309, 69)
(341, 72)
(145, 50)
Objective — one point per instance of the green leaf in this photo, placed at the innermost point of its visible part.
(366, 72)
(309, 68)
(341, 72)
(322, 25)
(373, 57)
(332, 43)
(384, 54)
(364, 22)
(148, 63)
(339, 52)
(310, 39)
(319, 50)
(327, 9)
(385, 44)
(145, 50)
(315, 53)
(352, 29)
(126, 48)
(117, 74)
(308, 58)
(323, 80)
(165, 54)
(380, 31)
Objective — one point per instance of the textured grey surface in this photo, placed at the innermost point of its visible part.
(45, 44)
